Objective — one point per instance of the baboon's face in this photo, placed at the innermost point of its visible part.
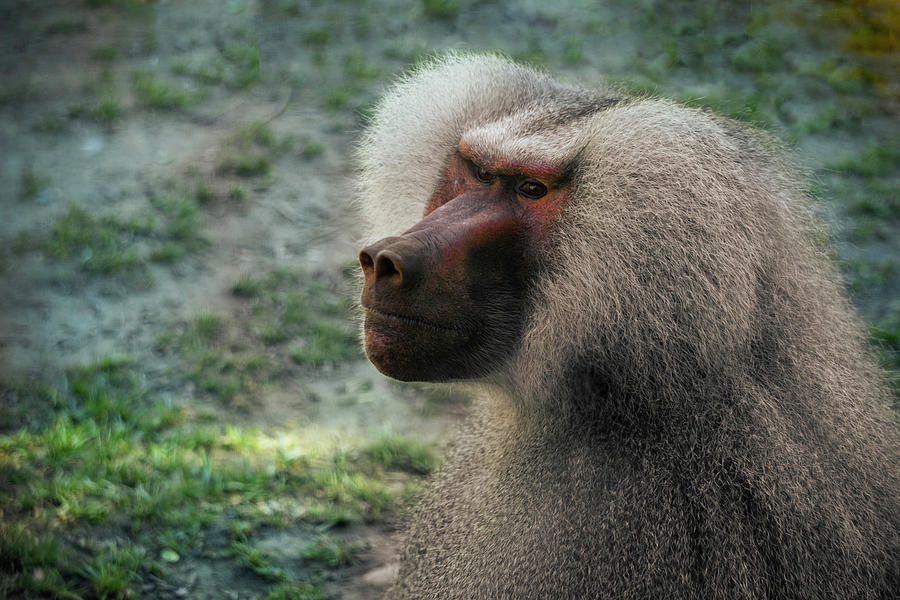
(445, 300)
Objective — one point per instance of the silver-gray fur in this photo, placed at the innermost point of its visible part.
(691, 411)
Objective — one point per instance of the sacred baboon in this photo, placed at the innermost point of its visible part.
(673, 396)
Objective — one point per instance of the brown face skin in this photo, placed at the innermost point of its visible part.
(444, 300)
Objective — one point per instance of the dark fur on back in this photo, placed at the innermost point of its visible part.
(691, 412)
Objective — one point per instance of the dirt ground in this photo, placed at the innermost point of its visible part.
(76, 129)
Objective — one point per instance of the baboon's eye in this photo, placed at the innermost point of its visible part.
(483, 175)
(532, 189)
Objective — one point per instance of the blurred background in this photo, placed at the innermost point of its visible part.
(184, 408)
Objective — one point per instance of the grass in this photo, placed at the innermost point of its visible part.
(100, 245)
(108, 108)
(181, 216)
(17, 91)
(51, 124)
(573, 51)
(334, 553)
(250, 150)
(237, 194)
(885, 338)
(246, 166)
(295, 591)
(235, 64)
(103, 484)
(324, 342)
(441, 9)
(65, 25)
(292, 321)
(310, 149)
(106, 54)
(293, 308)
(318, 38)
(252, 558)
(109, 244)
(866, 276)
(879, 200)
(203, 194)
(875, 161)
(357, 67)
(759, 55)
(220, 369)
(397, 452)
(31, 183)
(339, 97)
(153, 92)
(243, 58)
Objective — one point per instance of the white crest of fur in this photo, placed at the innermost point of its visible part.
(421, 121)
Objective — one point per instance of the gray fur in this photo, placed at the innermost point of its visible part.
(691, 412)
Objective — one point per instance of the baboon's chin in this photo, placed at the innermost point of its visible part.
(407, 350)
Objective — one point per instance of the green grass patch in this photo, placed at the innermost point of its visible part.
(250, 150)
(105, 104)
(874, 161)
(252, 558)
(754, 108)
(31, 183)
(879, 200)
(255, 133)
(248, 287)
(573, 51)
(334, 553)
(861, 275)
(109, 244)
(220, 368)
(292, 320)
(885, 338)
(397, 452)
(340, 97)
(441, 9)
(759, 55)
(17, 91)
(324, 342)
(237, 194)
(310, 149)
(246, 166)
(243, 57)
(203, 194)
(357, 67)
(66, 25)
(292, 308)
(100, 245)
(106, 54)
(235, 64)
(108, 108)
(103, 483)
(180, 214)
(111, 573)
(829, 119)
(318, 38)
(51, 124)
(295, 591)
(153, 92)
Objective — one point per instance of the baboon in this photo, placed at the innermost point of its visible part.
(672, 395)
